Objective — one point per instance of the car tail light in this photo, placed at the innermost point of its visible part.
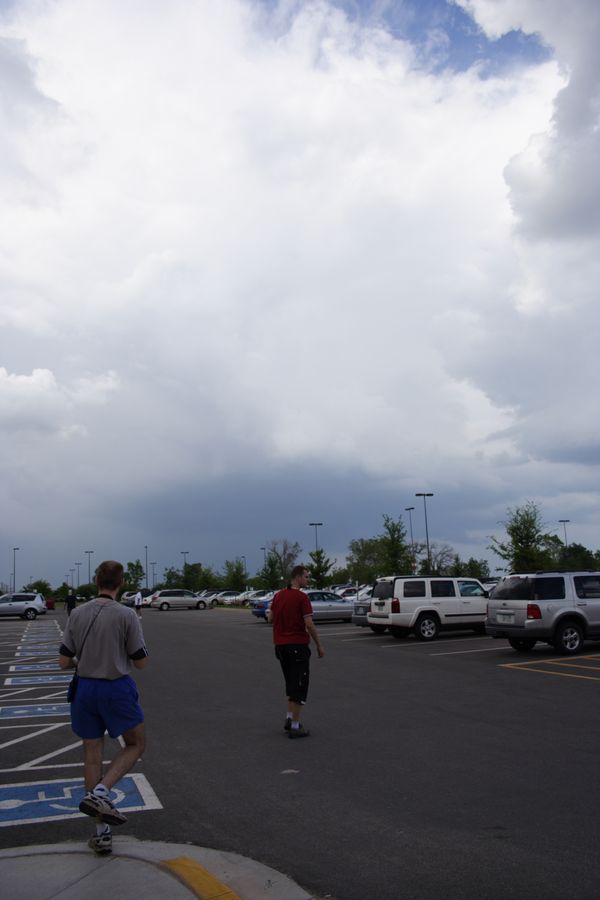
(395, 605)
(533, 611)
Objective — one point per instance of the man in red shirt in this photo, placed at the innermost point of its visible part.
(293, 627)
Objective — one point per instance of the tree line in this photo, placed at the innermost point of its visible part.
(526, 546)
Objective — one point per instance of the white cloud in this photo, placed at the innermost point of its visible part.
(289, 244)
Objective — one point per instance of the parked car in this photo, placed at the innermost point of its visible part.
(176, 598)
(361, 608)
(208, 597)
(128, 598)
(227, 598)
(326, 605)
(424, 606)
(559, 608)
(25, 604)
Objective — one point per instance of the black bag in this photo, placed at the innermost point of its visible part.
(72, 689)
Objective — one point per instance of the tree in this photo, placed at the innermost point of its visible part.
(134, 575)
(443, 557)
(234, 575)
(319, 567)
(528, 547)
(286, 553)
(576, 556)
(477, 568)
(364, 560)
(172, 577)
(270, 574)
(39, 587)
(395, 554)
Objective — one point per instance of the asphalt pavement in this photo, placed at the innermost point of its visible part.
(456, 769)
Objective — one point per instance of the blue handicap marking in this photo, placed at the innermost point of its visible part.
(33, 711)
(41, 801)
(38, 679)
(35, 667)
(38, 654)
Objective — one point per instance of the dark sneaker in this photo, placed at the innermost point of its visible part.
(101, 843)
(298, 732)
(102, 809)
(288, 725)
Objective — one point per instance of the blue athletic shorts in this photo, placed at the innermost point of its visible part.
(101, 705)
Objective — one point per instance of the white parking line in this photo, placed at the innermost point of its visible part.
(458, 652)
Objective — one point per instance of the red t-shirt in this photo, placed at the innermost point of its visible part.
(288, 609)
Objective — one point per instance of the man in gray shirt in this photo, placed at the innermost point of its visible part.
(103, 639)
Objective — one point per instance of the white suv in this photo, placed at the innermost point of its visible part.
(406, 603)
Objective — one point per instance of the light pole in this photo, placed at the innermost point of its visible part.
(245, 571)
(264, 550)
(89, 556)
(410, 510)
(153, 574)
(15, 568)
(316, 525)
(185, 554)
(564, 525)
(146, 569)
(78, 572)
(72, 571)
(424, 496)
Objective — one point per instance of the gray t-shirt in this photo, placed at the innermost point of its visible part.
(114, 638)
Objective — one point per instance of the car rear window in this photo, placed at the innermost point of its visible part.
(383, 590)
(516, 587)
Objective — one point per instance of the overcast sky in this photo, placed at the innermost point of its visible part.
(270, 263)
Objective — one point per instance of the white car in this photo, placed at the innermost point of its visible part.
(425, 605)
(176, 598)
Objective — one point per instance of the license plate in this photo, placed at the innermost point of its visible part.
(361, 611)
(505, 617)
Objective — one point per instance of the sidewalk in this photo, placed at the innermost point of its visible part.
(153, 869)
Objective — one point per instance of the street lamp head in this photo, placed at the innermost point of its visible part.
(562, 521)
(408, 508)
(423, 495)
(315, 524)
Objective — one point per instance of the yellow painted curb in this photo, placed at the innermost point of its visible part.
(199, 879)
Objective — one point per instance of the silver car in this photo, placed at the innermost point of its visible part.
(176, 598)
(559, 608)
(328, 606)
(25, 605)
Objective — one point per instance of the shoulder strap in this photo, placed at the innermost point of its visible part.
(86, 634)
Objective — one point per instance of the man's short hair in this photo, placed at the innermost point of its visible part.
(109, 575)
(298, 570)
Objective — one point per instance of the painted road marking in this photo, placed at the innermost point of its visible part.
(46, 801)
(202, 882)
(35, 667)
(38, 679)
(32, 712)
(535, 665)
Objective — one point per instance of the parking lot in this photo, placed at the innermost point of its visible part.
(456, 768)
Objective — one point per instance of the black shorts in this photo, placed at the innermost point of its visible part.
(294, 660)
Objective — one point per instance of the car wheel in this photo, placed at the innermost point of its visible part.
(479, 628)
(378, 629)
(213, 604)
(522, 645)
(200, 604)
(396, 631)
(568, 638)
(427, 627)
(29, 614)
(164, 605)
